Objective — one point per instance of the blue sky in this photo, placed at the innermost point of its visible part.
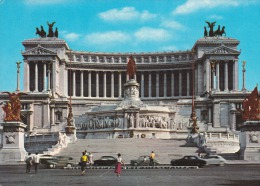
(128, 26)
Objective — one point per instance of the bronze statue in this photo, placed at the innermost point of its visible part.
(50, 34)
(205, 32)
(13, 108)
(211, 26)
(213, 33)
(251, 107)
(41, 32)
(131, 68)
(222, 31)
(56, 33)
(217, 32)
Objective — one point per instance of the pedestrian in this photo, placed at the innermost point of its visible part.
(118, 167)
(36, 161)
(152, 157)
(83, 162)
(28, 160)
(91, 161)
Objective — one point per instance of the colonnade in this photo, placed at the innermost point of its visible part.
(222, 75)
(110, 84)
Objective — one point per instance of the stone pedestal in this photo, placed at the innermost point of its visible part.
(250, 141)
(71, 133)
(13, 143)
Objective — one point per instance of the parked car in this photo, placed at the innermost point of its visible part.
(142, 161)
(215, 160)
(58, 161)
(106, 161)
(189, 161)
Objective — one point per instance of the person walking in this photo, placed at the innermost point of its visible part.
(152, 157)
(83, 162)
(28, 161)
(36, 161)
(118, 167)
(91, 160)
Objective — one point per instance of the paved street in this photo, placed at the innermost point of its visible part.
(212, 175)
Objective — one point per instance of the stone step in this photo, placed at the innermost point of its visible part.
(130, 148)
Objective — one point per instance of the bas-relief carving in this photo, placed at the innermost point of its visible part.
(130, 120)
(10, 139)
(253, 138)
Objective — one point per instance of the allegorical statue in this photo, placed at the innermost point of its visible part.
(13, 107)
(251, 107)
(50, 34)
(41, 32)
(212, 33)
(56, 33)
(131, 68)
(211, 26)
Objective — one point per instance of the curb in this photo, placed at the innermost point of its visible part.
(137, 167)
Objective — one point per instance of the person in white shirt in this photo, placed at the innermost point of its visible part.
(36, 160)
(91, 161)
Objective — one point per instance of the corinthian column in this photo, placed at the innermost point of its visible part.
(105, 85)
(157, 84)
(97, 84)
(226, 76)
(112, 84)
(81, 83)
(164, 84)
(74, 83)
(89, 84)
(142, 84)
(36, 77)
(119, 85)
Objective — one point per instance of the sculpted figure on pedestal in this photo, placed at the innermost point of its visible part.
(12, 108)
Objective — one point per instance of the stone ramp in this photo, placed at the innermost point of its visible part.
(165, 149)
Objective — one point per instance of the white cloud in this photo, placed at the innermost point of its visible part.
(169, 48)
(216, 17)
(152, 34)
(172, 24)
(194, 5)
(125, 14)
(102, 38)
(71, 36)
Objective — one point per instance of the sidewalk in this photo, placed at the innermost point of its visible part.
(243, 162)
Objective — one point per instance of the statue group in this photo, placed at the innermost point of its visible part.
(13, 107)
(41, 32)
(211, 32)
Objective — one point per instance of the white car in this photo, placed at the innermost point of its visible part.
(215, 160)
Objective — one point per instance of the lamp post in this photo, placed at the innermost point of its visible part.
(18, 76)
(244, 75)
(193, 117)
(70, 128)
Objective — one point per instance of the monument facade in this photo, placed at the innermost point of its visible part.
(153, 101)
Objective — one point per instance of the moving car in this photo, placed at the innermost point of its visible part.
(106, 161)
(215, 160)
(142, 161)
(58, 161)
(189, 161)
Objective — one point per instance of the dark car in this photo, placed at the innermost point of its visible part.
(58, 161)
(189, 161)
(105, 161)
(142, 161)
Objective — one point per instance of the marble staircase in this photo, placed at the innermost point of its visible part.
(130, 148)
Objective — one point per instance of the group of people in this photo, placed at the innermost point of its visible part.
(118, 168)
(32, 160)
